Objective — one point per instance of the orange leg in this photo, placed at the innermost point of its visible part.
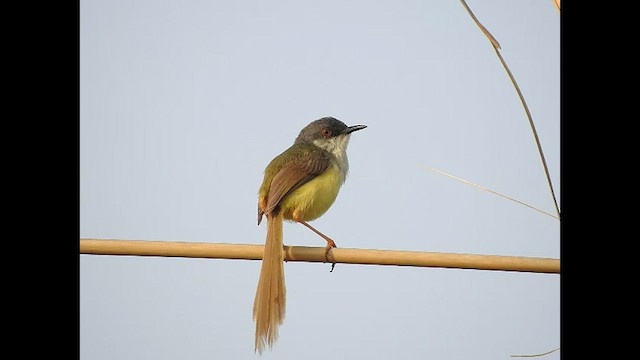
(330, 243)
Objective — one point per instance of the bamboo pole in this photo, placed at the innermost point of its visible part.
(316, 254)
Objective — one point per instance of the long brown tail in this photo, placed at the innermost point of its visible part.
(269, 304)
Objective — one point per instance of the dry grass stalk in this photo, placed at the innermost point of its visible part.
(537, 355)
(496, 47)
(490, 191)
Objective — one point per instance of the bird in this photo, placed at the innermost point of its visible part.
(299, 185)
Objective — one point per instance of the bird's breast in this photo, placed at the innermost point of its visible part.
(315, 197)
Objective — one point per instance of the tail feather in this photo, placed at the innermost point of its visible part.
(269, 304)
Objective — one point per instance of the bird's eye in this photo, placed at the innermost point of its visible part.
(326, 132)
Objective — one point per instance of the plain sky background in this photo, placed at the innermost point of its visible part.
(183, 104)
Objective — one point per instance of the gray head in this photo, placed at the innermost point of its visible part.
(322, 130)
(332, 135)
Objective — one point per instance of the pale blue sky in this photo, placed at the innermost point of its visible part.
(183, 104)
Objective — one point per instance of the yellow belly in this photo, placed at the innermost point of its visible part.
(313, 198)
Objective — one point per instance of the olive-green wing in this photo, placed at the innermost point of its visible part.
(308, 162)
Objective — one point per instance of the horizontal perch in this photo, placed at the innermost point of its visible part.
(316, 254)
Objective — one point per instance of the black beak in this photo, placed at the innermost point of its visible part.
(353, 128)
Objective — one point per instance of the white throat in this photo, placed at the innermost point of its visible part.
(337, 146)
